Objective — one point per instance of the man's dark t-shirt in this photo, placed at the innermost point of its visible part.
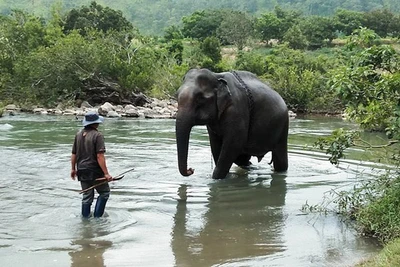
(87, 144)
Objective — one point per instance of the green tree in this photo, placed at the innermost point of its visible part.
(202, 24)
(175, 49)
(24, 31)
(212, 49)
(54, 29)
(172, 33)
(348, 21)
(300, 79)
(318, 31)
(20, 33)
(235, 28)
(362, 38)
(251, 61)
(268, 27)
(295, 38)
(274, 25)
(49, 74)
(97, 17)
(380, 21)
(368, 83)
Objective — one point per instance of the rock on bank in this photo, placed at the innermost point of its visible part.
(153, 109)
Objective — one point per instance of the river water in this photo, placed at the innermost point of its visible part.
(156, 217)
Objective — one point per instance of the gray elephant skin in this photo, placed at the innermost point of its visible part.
(244, 118)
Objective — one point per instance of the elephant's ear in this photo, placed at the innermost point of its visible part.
(224, 96)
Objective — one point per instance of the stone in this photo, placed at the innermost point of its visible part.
(86, 104)
(113, 114)
(11, 107)
(132, 113)
(38, 110)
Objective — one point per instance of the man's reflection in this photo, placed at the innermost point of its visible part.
(244, 220)
(91, 251)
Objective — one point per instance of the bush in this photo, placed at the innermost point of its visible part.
(368, 86)
(380, 217)
(251, 61)
(167, 80)
(301, 78)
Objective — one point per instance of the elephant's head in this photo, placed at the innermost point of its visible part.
(202, 99)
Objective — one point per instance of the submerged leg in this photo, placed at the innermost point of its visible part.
(87, 199)
(104, 194)
(100, 206)
(85, 210)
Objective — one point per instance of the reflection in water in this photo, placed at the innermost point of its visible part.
(90, 251)
(244, 219)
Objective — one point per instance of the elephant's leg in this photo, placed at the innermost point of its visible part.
(215, 144)
(228, 154)
(280, 155)
(243, 160)
(222, 168)
(222, 153)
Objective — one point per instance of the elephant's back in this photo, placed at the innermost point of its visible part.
(258, 87)
(260, 93)
(265, 96)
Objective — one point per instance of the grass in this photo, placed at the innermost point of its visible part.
(388, 257)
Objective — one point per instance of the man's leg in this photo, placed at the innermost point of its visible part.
(87, 199)
(104, 194)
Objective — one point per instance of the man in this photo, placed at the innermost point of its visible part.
(89, 163)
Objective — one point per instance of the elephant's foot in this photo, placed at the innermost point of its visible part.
(280, 160)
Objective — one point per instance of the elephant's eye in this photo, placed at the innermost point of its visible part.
(203, 98)
(200, 99)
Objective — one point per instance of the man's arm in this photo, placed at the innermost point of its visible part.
(73, 166)
(101, 159)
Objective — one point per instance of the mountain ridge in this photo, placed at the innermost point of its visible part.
(153, 16)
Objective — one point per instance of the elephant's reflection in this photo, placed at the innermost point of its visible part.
(244, 220)
(90, 252)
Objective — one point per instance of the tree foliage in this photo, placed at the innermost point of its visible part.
(318, 31)
(43, 65)
(46, 60)
(97, 17)
(235, 28)
(368, 84)
(202, 24)
(274, 25)
(300, 78)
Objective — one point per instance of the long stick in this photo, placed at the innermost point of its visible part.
(104, 182)
(116, 178)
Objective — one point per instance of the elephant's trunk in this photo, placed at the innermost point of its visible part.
(183, 128)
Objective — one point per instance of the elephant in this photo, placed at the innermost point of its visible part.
(244, 118)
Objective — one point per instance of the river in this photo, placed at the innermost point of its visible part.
(156, 217)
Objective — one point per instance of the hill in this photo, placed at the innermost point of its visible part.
(152, 16)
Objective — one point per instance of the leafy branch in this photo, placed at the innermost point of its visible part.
(340, 139)
(335, 144)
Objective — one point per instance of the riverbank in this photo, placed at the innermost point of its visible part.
(388, 257)
(153, 109)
